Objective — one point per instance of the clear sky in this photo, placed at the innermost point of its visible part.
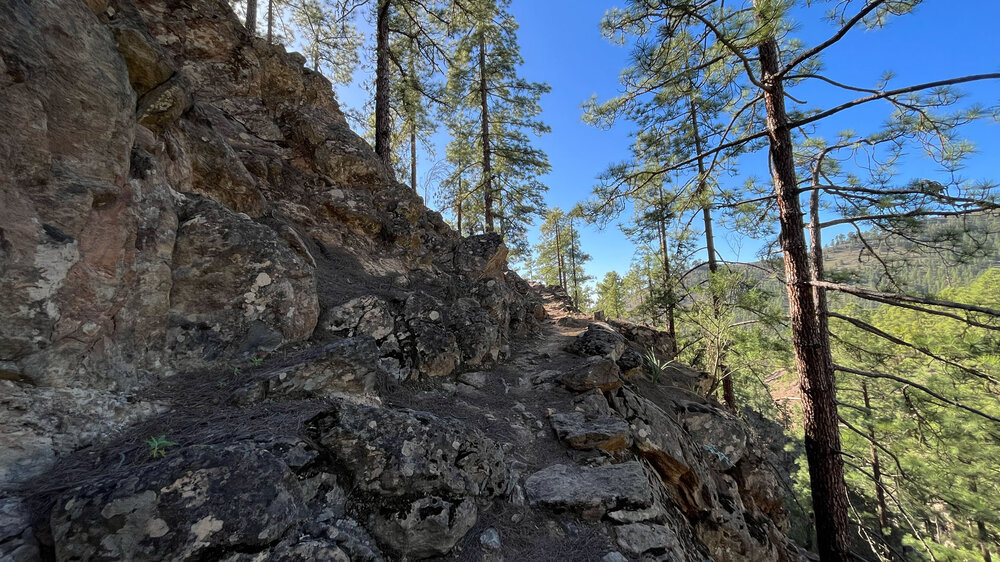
(562, 45)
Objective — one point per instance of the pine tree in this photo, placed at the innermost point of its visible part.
(416, 31)
(329, 36)
(496, 111)
(749, 43)
(559, 257)
(611, 295)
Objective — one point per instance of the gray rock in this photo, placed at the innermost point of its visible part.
(39, 424)
(490, 539)
(189, 502)
(593, 404)
(395, 452)
(631, 362)
(429, 473)
(340, 540)
(597, 373)
(435, 345)
(599, 340)
(231, 275)
(655, 513)
(638, 538)
(475, 379)
(607, 433)
(17, 539)
(614, 556)
(661, 439)
(719, 434)
(644, 338)
(477, 333)
(350, 366)
(431, 526)
(369, 315)
(480, 256)
(590, 491)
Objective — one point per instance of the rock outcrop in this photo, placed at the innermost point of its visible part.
(175, 195)
(230, 334)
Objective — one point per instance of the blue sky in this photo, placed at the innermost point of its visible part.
(562, 45)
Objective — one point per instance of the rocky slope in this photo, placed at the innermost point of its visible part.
(194, 245)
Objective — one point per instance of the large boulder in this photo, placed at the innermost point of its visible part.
(191, 503)
(436, 346)
(421, 477)
(482, 255)
(38, 425)
(369, 316)
(347, 367)
(599, 340)
(238, 288)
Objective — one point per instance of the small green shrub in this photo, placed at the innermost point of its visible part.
(158, 446)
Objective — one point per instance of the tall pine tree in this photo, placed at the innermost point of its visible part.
(495, 111)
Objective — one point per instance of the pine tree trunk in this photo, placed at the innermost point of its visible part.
(413, 155)
(559, 259)
(728, 392)
(382, 125)
(667, 281)
(270, 22)
(572, 265)
(251, 21)
(458, 202)
(883, 511)
(810, 340)
(652, 296)
(485, 115)
(984, 541)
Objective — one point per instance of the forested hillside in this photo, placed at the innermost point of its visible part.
(970, 245)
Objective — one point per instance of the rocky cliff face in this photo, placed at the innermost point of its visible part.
(194, 244)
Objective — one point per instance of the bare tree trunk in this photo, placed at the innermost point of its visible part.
(270, 22)
(382, 126)
(487, 167)
(728, 392)
(251, 21)
(810, 339)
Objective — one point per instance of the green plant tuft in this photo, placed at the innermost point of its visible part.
(655, 366)
(158, 446)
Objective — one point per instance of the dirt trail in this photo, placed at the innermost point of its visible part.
(511, 402)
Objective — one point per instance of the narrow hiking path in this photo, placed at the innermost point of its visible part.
(512, 401)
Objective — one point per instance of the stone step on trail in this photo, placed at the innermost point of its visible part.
(577, 431)
(590, 491)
